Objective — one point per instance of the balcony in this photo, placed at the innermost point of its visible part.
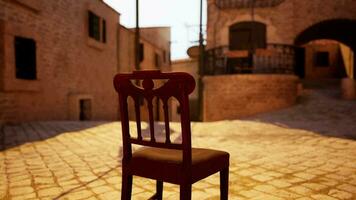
(227, 4)
(275, 59)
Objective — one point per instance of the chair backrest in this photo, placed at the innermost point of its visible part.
(178, 85)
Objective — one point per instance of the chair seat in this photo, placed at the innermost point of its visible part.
(166, 164)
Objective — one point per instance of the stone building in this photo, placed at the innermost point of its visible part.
(277, 32)
(58, 58)
(53, 55)
(154, 48)
(264, 43)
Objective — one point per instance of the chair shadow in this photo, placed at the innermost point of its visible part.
(13, 135)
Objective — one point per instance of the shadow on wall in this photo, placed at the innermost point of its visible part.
(15, 135)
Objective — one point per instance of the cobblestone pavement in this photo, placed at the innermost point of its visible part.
(280, 155)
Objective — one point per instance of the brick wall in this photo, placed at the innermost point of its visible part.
(236, 96)
(69, 63)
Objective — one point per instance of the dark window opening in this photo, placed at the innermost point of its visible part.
(84, 109)
(321, 59)
(164, 56)
(104, 31)
(25, 58)
(141, 52)
(157, 60)
(94, 26)
(247, 36)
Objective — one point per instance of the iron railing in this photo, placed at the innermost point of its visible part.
(275, 59)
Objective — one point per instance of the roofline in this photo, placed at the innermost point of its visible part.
(107, 5)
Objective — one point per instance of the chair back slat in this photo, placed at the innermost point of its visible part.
(151, 119)
(177, 85)
(166, 121)
(138, 118)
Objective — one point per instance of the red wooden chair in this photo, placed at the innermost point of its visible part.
(164, 161)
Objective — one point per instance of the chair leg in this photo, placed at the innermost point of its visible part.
(185, 191)
(126, 186)
(224, 184)
(159, 190)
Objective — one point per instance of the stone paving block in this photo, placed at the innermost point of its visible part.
(301, 190)
(322, 197)
(81, 194)
(314, 186)
(49, 192)
(102, 189)
(340, 194)
(348, 188)
(304, 176)
(251, 193)
(262, 177)
(279, 183)
(16, 191)
(26, 196)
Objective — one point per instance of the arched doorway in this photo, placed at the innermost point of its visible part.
(342, 31)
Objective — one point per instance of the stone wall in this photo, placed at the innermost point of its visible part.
(284, 22)
(236, 96)
(69, 62)
(189, 66)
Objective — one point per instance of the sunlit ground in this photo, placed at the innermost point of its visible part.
(297, 153)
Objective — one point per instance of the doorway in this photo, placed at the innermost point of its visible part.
(84, 109)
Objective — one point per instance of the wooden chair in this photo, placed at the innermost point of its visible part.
(164, 161)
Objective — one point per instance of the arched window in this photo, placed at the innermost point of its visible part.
(247, 35)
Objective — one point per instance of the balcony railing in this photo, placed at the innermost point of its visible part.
(275, 59)
(225, 4)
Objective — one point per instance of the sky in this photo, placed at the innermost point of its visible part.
(181, 15)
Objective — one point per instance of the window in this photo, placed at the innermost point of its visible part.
(104, 31)
(96, 27)
(164, 56)
(247, 35)
(141, 52)
(321, 59)
(25, 58)
(157, 60)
